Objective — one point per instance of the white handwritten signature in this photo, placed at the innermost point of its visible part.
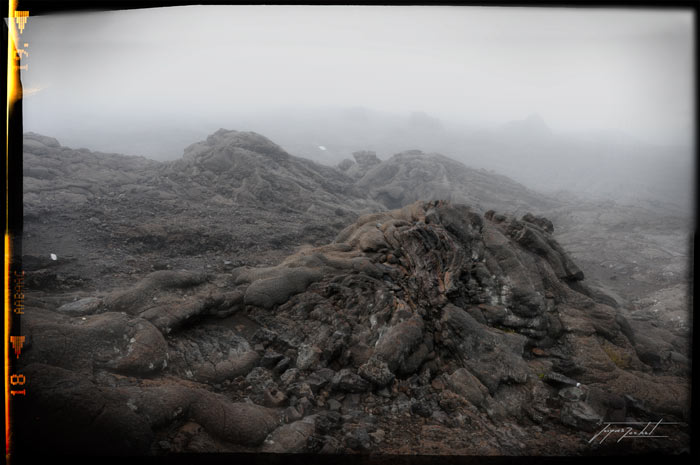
(627, 430)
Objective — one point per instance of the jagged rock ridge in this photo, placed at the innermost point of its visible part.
(413, 175)
(423, 322)
(245, 167)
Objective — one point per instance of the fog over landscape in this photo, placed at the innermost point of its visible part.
(396, 230)
(555, 98)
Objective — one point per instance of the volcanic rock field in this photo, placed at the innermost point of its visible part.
(242, 299)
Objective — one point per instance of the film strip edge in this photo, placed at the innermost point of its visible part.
(13, 304)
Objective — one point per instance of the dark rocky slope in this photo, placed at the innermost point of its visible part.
(429, 329)
(636, 258)
(438, 328)
(413, 175)
(236, 197)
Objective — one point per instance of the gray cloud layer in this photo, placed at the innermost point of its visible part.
(580, 69)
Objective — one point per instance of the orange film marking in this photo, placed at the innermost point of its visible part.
(17, 343)
(12, 96)
(21, 19)
(7, 351)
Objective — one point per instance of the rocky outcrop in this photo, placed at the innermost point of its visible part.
(243, 299)
(137, 215)
(413, 175)
(364, 161)
(428, 320)
(247, 168)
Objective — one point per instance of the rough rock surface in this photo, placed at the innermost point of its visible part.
(420, 322)
(243, 299)
(413, 175)
(108, 216)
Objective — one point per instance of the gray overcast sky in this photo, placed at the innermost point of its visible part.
(580, 69)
